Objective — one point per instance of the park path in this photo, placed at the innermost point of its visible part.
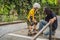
(15, 28)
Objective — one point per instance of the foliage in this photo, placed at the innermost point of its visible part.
(22, 8)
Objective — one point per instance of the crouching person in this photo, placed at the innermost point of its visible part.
(50, 17)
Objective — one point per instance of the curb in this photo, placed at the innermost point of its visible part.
(8, 23)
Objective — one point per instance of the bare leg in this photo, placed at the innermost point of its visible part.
(30, 28)
(30, 31)
(35, 27)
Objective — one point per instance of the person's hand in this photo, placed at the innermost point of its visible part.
(51, 21)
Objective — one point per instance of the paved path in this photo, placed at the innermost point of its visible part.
(11, 28)
(15, 28)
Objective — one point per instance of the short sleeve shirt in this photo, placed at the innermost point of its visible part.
(31, 13)
(50, 16)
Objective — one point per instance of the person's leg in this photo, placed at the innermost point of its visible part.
(35, 24)
(35, 27)
(28, 24)
(41, 24)
(47, 32)
(30, 28)
(30, 31)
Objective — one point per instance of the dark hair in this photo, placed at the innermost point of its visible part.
(47, 10)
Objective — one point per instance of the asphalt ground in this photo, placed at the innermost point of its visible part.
(16, 28)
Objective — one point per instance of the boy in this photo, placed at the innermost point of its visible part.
(31, 19)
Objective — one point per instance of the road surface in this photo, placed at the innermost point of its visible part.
(6, 29)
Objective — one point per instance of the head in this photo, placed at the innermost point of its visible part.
(47, 11)
(36, 6)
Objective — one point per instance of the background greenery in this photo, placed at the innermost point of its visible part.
(12, 10)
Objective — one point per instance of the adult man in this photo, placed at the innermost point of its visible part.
(50, 17)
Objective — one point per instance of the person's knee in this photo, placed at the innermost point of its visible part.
(32, 24)
(35, 23)
(41, 21)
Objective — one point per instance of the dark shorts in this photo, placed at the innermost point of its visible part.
(31, 23)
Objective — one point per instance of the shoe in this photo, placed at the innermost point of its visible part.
(35, 31)
(30, 33)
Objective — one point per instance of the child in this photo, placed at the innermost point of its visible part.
(31, 19)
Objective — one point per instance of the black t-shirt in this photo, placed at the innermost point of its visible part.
(50, 16)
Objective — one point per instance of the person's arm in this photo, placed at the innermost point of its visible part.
(52, 20)
(30, 14)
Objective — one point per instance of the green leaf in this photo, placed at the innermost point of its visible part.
(43, 1)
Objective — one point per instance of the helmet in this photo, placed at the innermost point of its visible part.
(36, 5)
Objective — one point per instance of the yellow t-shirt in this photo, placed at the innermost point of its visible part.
(31, 13)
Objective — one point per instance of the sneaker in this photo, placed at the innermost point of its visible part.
(30, 33)
(35, 31)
